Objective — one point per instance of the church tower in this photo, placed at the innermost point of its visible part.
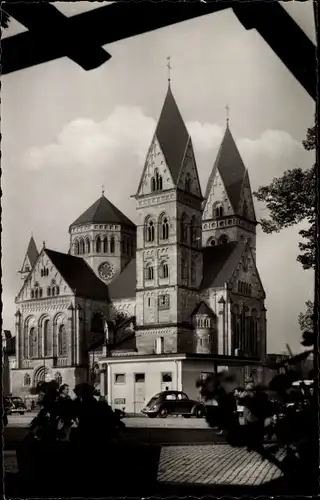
(229, 213)
(29, 259)
(168, 257)
(104, 237)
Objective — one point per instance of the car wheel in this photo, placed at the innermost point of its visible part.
(163, 413)
(151, 415)
(199, 412)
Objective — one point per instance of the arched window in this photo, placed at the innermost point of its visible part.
(213, 242)
(184, 268)
(219, 211)
(57, 290)
(164, 231)
(40, 292)
(98, 244)
(188, 183)
(53, 291)
(112, 244)
(149, 271)
(164, 270)
(81, 247)
(76, 247)
(235, 322)
(58, 378)
(88, 246)
(223, 240)
(32, 294)
(194, 239)
(36, 293)
(49, 291)
(62, 341)
(33, 351)
(149, 230)
(184, 229)
(27, 380)
(153, 184)
(105, 244)
(47, 344)
(157, 181)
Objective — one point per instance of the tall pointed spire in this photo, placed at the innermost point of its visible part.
(169, 69)
(231, 168)
(172, 135)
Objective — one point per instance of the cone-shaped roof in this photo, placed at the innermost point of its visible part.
(172, 135)
(231, 168)
(32, 251)
(103, 212)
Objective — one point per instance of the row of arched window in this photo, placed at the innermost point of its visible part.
(44, 272)
(245, 330)
(157, 184)
(222, 240)
(188, 229)
(37, 293)
(27, 379)
(102, 245)
(244, 288)
(150, 227)
(204, 322)
(163, 270)
(45, 341)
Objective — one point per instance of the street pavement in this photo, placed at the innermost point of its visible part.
(142, 422)
(202, 465)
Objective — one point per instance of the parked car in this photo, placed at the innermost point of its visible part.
(15, 404)
(173, 403)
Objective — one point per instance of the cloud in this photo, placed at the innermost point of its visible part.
(52, 185)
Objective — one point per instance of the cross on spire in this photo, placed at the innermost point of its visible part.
(102, 190)
(169, 68)
(227, 113)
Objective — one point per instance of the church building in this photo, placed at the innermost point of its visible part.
(141, 309)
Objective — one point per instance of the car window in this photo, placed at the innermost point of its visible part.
(170, 397)
(182, 396)
(17, 400)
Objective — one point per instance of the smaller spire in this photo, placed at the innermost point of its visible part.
(169, 69)
(227, 114)
(102, 190)
(44, 244)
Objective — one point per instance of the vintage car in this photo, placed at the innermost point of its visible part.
(173, 403)
(14, 404)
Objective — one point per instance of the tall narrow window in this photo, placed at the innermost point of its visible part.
(81, 247)
(27, 380)
(88, 249)
(219, 211)
(33, 343)
(153, 184)
(194, 240)
(150, 231)
(62, 341)
(98, 244)
(184, 228)
(149, 272)
(76, 247)
(158, 180)
(105, 244)
(46, 339)
(193, 272)
(112, 244)
(164, 231)
(188, 183)
(164, 270)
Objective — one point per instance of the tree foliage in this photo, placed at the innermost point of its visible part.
(306, 319)
(290, 199)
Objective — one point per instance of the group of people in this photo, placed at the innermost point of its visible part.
(83, 418)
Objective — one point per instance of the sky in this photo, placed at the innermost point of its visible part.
(66, 132)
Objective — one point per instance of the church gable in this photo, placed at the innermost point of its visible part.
(188, 177)
(217, 197)
(26, 266)
(246, 206)
(44, 281)
(156, 175)
(245, 279)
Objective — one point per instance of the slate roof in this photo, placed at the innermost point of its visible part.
(219, 262)
(231, 168)
(203, 308)
(32, 251)
(172, 135)
(124, 285)
(79, 275)
(102, 212)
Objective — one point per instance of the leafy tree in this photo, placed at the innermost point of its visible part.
(306, 319)
(290, 199)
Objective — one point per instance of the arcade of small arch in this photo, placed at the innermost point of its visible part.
(103, 245)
